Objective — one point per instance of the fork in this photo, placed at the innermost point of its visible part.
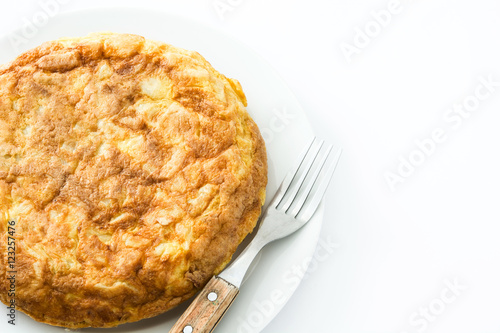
(293, 205)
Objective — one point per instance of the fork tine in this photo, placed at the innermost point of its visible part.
(314, 202)
(299, 202)
(285, 184)
(294, 188)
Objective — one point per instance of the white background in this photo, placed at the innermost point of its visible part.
(396, 252)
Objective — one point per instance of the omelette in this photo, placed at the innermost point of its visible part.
(130, 171)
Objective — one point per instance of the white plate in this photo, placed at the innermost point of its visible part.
(271, 104)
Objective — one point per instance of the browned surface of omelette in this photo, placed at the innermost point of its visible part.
(132, 171)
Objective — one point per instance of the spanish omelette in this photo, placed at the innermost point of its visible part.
(131, 170)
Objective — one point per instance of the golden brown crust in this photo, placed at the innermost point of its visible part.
(132, 170)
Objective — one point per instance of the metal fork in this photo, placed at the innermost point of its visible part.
(294, 204)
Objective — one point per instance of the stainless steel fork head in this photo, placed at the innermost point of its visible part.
(295, 202)
(300, 193)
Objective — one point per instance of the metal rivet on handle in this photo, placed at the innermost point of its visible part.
(187, 329)
(212, 296)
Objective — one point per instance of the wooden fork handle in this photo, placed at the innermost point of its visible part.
(207, 309)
